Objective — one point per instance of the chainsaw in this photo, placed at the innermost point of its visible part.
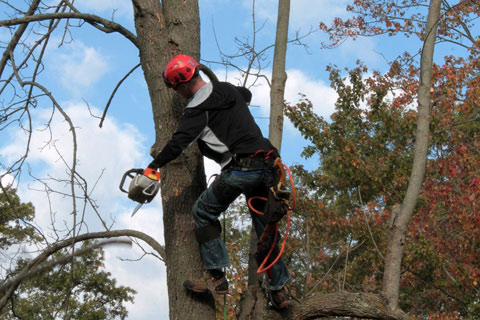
(144, 186)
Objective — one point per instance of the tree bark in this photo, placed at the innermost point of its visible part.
(165, 30)
(401, 216)
(279, 76)
(253, 304)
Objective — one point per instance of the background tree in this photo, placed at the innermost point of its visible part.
(279, 76)
(365, 153)
(91, 294)
(86, 292)
(15, 219)
(344, 164)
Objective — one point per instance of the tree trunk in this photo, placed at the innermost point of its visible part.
(253, 304)
(164, 30)
(401, 216)
(279, 76)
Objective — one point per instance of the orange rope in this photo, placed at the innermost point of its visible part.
(261, 268)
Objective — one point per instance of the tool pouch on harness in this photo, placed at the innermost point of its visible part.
(275, 209)
(278, 195)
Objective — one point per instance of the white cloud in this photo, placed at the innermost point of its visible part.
(148, 219)
(148, 275)
(321, 95)
(105, 153)
(363, 49)
(78, 66)
(6, 179)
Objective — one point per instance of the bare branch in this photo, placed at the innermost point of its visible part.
(477, 118)
(107, 25)
(368, 226)
(113, 93)
(16, 37)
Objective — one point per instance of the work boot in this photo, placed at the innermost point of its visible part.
(279, 299)
(207, 283)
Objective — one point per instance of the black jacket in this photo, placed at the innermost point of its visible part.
(218, 118)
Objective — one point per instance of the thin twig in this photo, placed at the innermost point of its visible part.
(106, 25)
(368, 225)
(113, 93)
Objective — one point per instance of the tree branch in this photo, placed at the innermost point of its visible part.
(468, 34)
(113, 93)
(108, 26)
(16, 37)
(358, 305)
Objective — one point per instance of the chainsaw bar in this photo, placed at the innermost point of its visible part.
(136, 209)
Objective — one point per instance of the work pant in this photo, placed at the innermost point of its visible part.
(216, 199)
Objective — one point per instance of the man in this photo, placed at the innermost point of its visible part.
(218, 119)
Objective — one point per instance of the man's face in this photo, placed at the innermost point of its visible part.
(183, 90)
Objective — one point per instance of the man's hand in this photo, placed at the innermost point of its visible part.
(153, 151)
(153, 166)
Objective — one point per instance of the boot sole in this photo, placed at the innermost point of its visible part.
(223, 292)
(205, 291)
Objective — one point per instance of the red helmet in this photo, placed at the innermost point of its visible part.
(180, 69)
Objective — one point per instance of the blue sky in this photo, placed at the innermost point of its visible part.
(87, 70)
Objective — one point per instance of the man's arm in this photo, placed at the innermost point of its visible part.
(191, 125)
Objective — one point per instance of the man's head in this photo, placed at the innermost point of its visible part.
(181, 74)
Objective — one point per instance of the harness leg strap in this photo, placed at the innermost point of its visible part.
(208, 232)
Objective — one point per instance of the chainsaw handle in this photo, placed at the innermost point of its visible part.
(129, 173)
